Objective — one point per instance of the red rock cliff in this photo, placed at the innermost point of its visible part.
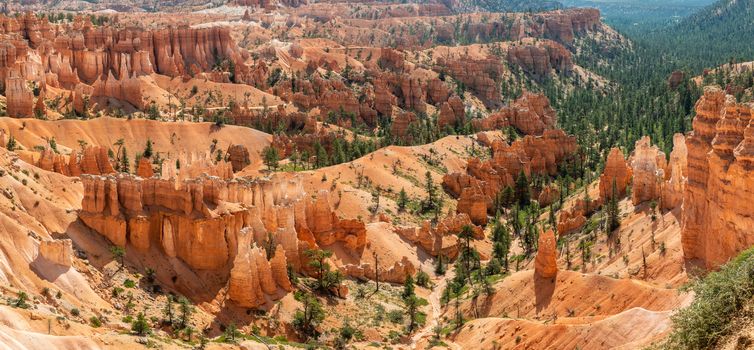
(717, 215)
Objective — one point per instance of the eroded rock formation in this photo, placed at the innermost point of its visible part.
(483, 180)
(648, 166)
(212, 224)
(541, 58)
(440, 239)
(717, 204)
(58, 251)
(395, 274)
(673, 188)
(99, 61)
(546, 262)
(531, 114)
(238, 155)
(615, 177)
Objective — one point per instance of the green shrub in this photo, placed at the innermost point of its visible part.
(422, 279)
(395, 316)
(128, 283)
(720, 297)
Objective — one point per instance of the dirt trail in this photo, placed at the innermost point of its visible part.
(433, 318)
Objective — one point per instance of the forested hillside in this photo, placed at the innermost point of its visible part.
(508, 5)
(718, 33)
(631, 15)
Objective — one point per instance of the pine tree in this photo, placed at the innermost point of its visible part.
(523, 194)
(412, 310)
(140, 326)
(440, 265)
(321, 154)
(271, 157)
(167, 311)
(502, 243)
(553, 222)
(431, 189)
(186, 311)
(408, 287)
(306, 320)
(125, 165)
(148, 149)
(402, 200)
(613, 212)
(12, 144)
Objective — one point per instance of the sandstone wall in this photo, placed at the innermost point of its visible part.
(648, 165)
(213, 224)
(615, 177)
(717, 206)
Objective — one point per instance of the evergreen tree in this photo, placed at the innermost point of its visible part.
(186, 311)
(440, 265)
(140, 326)
(412, 310)
(167, 311)
(613, 212)
(271, 157)
(523, 194)
(148, 149)
(306, 320)
(12, 144)
(321, 154)
(429, 185)
(402, 200)
(125, 165)
(408, 287)
(502, 243)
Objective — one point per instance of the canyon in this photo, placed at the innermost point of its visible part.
(256, 174)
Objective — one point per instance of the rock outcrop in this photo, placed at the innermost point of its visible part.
(531, 114)
(674, 186)
(648, 166)
(717, 204)
(59, 251)
(541, 58)
(440, 239)
(615, 177)
(546, 262)
(238, 155)
(19, 98)
(252, 281)
(211, 224)
(484, 180)
(476, 74)
(144, 169)
(394, 274)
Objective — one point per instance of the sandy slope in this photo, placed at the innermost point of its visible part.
(631, 329)
(392, 168)
(571, 294)
(17, 334)
(167, 137)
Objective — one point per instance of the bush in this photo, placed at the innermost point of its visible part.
(75, 312)
(128, 283)
(395, 316)
(140, 326)
(422, 279)
(95, 322)
(720, 298)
